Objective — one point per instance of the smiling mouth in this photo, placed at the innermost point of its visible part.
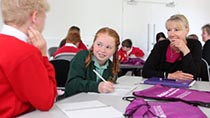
(101, 55)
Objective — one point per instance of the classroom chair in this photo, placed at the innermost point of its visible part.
(51, 51)
(65, 56)
(204, 71)
(61, 67)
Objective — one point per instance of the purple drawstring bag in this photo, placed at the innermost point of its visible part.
(195, 97)
(135, 61)
(138, 108)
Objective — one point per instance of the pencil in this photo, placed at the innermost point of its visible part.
(99, 75)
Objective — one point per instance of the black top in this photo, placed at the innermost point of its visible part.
(206, 51)
(156, 64)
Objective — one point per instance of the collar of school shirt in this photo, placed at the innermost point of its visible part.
(129, 51)
(70, 44)
(11, 31)
(97, 64)
(99, 69)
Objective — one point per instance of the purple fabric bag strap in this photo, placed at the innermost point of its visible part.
(139, 108)
(195, 97)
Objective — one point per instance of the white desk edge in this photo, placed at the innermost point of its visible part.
(115, 101)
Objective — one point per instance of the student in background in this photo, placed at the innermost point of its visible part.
(206, 38)
(27, 79)
(71, 46)
(176, 58)
(160, 36)
(77, 30)
(81, 77)
(129, 51)
(192, 36)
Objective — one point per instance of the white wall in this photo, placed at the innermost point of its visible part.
(89, 15)
(140, 22)
(131, 21)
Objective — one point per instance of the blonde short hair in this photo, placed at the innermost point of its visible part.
(18, 11)
(179, 19)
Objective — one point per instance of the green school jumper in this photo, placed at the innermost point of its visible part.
(82, 79)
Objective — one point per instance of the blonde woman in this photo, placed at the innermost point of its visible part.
(176, 58)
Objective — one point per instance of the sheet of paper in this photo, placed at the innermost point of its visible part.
(120, 90)
(93, 109)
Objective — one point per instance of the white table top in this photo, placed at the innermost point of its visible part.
(114, 101)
